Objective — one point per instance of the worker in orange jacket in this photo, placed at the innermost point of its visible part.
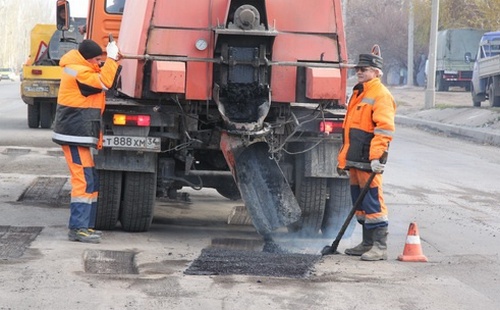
(368, 129)
(80, 104)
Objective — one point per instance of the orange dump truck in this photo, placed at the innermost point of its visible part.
(243, 96)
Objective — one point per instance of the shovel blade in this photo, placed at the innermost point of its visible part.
(263, 187)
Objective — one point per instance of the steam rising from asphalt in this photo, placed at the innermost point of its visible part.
(298, 243)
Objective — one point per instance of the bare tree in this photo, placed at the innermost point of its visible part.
(385, 23)
(17, 18)
(378, 22)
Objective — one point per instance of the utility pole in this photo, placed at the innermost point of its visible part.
(411, 24)
(344, 10)
(430, 92)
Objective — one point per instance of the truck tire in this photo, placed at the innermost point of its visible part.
(46, 115)
(476, 99)
(494, 100)
(337, 209)
(311, 197)
(108, 203)
(33, 115)
(139, 195)
(441, 84)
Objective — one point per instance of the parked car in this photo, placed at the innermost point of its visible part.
(7, 74)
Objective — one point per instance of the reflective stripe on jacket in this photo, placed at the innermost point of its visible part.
(81, 100)
(368, 125)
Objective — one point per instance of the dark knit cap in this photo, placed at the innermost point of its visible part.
(89, 49)
(370, 60)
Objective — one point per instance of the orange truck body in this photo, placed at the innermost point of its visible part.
(223, 80)
(178, 27)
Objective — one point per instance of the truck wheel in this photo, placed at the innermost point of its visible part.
(311, 196)
(33, 115)
(46, 115)
(476, 99)
(441, 83)
(108, 203)
(139, 195)
(476, 103)
(229, 190)
(494, 100)
(337, 209)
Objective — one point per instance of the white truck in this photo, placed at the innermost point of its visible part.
(486, 73)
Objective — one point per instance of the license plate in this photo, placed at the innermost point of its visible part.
(152, 144)
(37, 89)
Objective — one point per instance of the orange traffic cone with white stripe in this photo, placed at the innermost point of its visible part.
(413, 249)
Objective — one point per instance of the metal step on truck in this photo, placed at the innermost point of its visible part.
(243, 96)
(486, 74)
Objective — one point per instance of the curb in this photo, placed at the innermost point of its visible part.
(479, 135)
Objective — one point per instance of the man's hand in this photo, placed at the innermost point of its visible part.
(377, 166)
(82, 29)
(112, 51)
(342, 172)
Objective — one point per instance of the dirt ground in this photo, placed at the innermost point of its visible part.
(452, 107)
(410, 99)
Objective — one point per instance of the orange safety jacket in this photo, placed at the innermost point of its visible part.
(81, 100)
(368, 125)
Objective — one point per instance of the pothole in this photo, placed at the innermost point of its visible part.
(239, 216)
(237, 244)
(47, 190)
(245, 257)
(15, 240)
(57, 153)
(16, 151)
(109, 262)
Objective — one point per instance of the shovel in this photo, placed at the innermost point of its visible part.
(332, 249)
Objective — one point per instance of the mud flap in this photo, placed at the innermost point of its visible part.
(267, 195)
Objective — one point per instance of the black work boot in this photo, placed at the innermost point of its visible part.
(95, 232)
(364, 246)
(83, 235)
(379, 249)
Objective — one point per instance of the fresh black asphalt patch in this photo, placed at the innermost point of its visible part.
(15, 240)
(49, 191)
(220, 261)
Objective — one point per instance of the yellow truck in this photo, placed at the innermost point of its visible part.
(41, 73)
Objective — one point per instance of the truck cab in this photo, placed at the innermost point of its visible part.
(486, 73)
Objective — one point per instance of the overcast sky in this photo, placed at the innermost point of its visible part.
(78, 8)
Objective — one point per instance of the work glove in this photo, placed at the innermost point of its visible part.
(377, 166)
(342, 172)
(112, 50)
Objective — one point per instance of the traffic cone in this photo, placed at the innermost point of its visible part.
(413, 250)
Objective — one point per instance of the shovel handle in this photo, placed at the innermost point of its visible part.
(383, 158)
(357, 203)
